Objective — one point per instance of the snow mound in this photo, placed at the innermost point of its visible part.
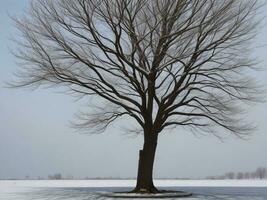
(148, 196)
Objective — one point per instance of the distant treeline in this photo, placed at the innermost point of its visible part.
(259, 173)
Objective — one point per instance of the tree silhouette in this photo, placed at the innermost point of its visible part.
(163, 63)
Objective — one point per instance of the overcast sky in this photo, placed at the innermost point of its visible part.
(36, 138)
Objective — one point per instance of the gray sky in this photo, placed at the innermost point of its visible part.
(36, 138)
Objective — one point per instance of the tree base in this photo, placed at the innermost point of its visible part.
(160, 195)
(150, 190)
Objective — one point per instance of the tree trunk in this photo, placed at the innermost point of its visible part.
(145, 167)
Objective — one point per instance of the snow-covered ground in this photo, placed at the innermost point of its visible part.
(88, 189)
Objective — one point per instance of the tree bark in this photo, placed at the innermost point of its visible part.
(145, 168)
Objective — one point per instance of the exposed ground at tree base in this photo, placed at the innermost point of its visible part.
(160, 194)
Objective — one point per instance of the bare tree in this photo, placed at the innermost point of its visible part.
(56, 176)
(230, 175)
(163, 63)
(260, 173)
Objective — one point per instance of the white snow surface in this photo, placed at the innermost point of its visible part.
(84, 189)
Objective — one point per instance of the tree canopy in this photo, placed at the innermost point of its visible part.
(163, 63)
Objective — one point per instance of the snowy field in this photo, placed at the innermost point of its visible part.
(94, 189)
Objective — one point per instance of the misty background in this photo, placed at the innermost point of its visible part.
(36, 139)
